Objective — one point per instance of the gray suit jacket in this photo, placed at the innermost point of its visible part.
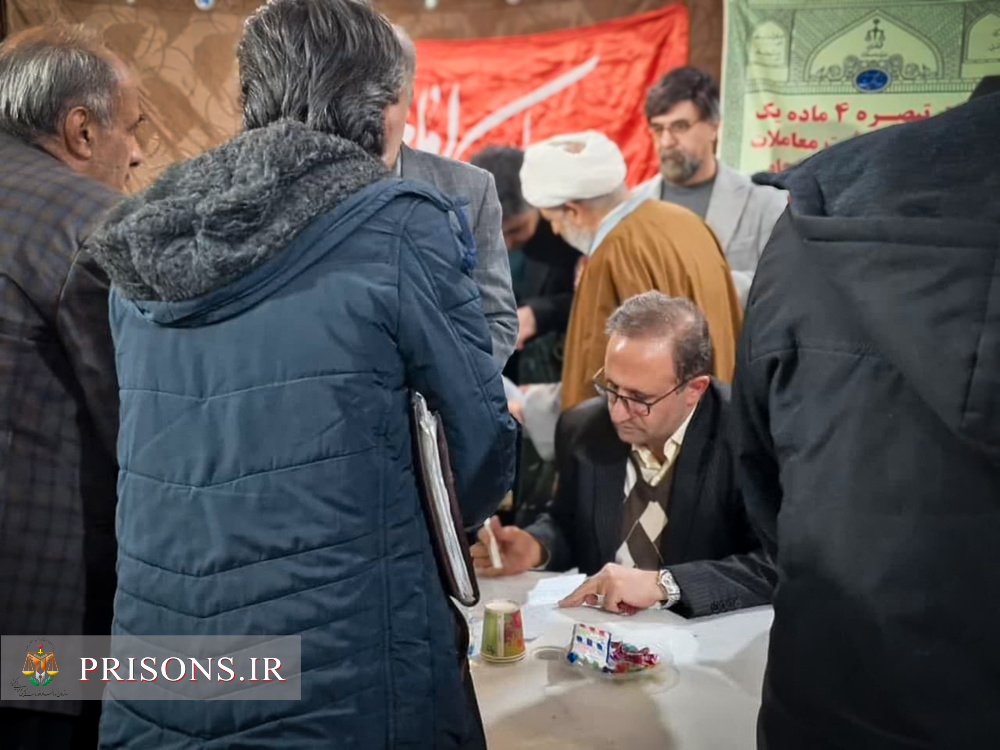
(742, 216)
(492, 271)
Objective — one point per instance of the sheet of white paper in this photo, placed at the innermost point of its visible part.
(543, 601)
(552, 590)
(535, 618)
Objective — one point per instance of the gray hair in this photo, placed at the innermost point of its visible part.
(655, 315)
(47, 71)
(504, 163)
(334, 65)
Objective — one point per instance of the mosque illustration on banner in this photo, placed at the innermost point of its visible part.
(874, 52)
(800, 75)
(910, 43)
(875, 42)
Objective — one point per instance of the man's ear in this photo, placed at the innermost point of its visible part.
(573, 212)
(697, 387)
(78, 133)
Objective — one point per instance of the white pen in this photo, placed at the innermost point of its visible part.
(494, 547)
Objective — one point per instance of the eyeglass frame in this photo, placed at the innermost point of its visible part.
(603, 390)
(659, 129)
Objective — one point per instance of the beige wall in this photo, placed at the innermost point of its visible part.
(187, 68)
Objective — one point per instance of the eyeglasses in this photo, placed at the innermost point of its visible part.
(676, 128)
(635, 406)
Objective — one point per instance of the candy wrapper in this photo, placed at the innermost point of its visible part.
(589, 646)
(598, 649)
(625, 657)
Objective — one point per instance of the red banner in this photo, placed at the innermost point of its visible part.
(515, 91)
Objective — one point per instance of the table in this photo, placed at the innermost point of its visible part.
(706, 700)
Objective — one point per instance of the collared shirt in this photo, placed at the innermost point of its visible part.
(654, 518)
(613, 219)
(653, 470)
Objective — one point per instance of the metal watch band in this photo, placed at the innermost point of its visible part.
(671, 591)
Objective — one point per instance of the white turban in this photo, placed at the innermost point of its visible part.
(572, 167)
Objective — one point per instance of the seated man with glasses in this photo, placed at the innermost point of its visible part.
(646, 496)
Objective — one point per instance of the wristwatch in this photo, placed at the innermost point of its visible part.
(668, 586)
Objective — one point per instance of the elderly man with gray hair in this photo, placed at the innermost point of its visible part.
(647, 499)
(69, 112)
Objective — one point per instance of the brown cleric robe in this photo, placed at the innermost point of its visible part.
(658, 246)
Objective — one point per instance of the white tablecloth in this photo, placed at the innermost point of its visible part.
(707, 699)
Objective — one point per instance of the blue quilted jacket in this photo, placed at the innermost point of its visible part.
(266, 481)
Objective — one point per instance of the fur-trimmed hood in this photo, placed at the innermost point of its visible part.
(210, 220)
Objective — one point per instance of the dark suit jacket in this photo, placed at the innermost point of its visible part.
(711, 549)
(59, 408)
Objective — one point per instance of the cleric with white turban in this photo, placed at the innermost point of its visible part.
(572, 167)
(632, 245)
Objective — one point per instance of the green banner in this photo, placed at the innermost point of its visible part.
(802, 74)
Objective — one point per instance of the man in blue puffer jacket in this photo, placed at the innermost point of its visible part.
(275, 299)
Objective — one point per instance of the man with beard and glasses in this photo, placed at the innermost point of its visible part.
(683, 115)
(632, 245)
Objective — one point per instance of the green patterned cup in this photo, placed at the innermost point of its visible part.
(503, 633)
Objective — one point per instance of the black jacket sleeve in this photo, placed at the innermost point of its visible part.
(709, 587)
(746, 578)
